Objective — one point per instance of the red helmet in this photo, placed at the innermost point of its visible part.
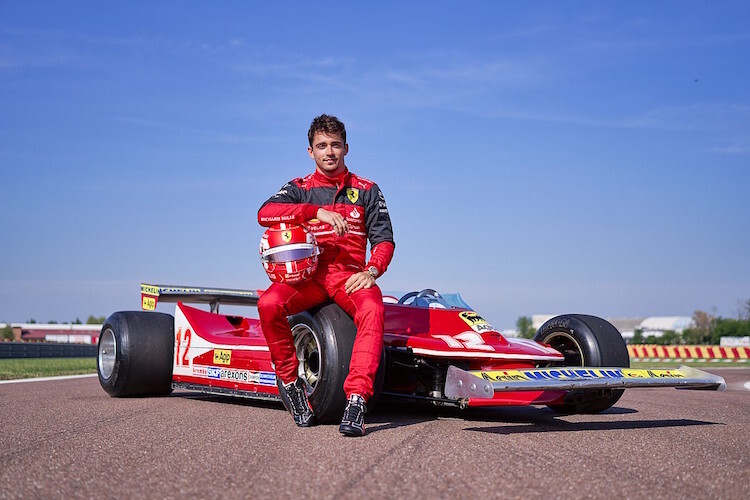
(289, 253)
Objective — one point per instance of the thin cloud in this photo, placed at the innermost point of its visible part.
(699, 116)
(225, 137)
(731, 150)
(242, 139)
(425, 187)
(670, 43)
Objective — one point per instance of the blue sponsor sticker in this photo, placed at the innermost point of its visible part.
(267, 378)
(566, 374)
(213, 372)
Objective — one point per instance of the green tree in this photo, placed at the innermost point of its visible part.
(637, 336)
(704, 326)
(670, 337)
(93, 320)
(77, 321)
(726, 327)
(691, 336)
(525, 327)
(746, 310)
(7, 332)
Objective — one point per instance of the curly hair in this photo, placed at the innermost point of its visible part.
(328, 125)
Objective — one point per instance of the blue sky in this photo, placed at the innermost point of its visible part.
(538, 157)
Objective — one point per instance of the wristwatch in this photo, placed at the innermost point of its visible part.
(373, 271)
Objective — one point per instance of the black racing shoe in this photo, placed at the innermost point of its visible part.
(353, 421)
(300, 406)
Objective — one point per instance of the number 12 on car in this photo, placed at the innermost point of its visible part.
(182, 361)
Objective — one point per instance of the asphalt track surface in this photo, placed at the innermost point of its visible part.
(67, 438)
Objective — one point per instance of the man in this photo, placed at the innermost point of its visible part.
(344, 211)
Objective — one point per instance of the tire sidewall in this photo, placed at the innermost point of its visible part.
(601, 345)
(113, 384)
(144, 349)
(572, 326)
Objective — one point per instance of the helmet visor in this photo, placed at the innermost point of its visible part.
(289, 253)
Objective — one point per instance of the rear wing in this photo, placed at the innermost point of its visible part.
(152, 294)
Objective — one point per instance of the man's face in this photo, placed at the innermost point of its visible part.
(328, 151)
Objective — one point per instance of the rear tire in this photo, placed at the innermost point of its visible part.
(586, 341)
(134, 356)
(323, 340)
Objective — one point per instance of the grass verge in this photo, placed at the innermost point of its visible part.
(701, 365)
(11, 369)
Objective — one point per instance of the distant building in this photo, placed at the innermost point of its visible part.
(657, 325)
(66, 334)
(626, 326)
(735, 341)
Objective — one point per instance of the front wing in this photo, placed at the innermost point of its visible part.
(461, 384)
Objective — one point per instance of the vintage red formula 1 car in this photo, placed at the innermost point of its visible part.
(436, 349)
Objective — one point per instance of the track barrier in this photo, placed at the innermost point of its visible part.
(46, 350)
(700, 353)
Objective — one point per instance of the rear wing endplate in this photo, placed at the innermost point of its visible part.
(152, 294)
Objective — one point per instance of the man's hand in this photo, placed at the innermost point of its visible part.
(358, 281)
(336, 220)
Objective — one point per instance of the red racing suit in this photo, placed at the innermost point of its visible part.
(362, 204)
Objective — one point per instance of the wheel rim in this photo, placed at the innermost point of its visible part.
(307, 349)
(568, 346)
(107, 353)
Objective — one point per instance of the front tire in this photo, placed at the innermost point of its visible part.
(134, 356)
(586, 341)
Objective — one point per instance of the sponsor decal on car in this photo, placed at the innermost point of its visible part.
(149, 290)
(576, 374)
(148, 303)
(149, 297)
(475, 321)
(222, 357)
(234, 375)
(267, 378)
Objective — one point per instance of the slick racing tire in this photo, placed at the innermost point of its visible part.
(135, 352)
(585, 341)
(323, 341)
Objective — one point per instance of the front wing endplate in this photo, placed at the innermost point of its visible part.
(461, 384)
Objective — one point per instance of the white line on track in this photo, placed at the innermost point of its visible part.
(747, 386)
(46, 379)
